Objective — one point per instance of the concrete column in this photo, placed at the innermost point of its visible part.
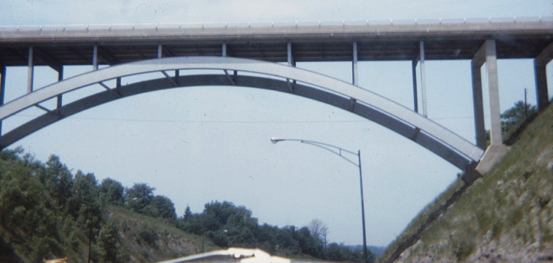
(95, 58)
(541, 85)
(487, 54)
(30, 73)
(423, 80)
(354, 72)
(478, 103)
(493, 93)
(159, 51)
(540, 63)
(224, 51)
(2, 89)
(415, 92)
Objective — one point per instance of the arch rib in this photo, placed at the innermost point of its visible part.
(400, 119)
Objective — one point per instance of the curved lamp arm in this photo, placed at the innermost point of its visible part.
(331, 148)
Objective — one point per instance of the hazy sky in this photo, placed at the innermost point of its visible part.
(196, 145)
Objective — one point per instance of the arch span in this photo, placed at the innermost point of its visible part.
(364, 103)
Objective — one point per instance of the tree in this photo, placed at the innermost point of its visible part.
(58, 180)
(139, 196)
(107, 242)
(517, 114)
(317, 228)
(187, 214)
(111, 192)
(309, 244)
(161, 206)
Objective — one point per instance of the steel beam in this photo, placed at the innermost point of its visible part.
(224, 50)
(540, 63)
(30, 72)
(423, 79)
(159, 51)
(390, 111)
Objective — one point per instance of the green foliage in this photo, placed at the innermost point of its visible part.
(139, 196)
(518, 113)
(58, 180)
(161, 206)
(108, 242)
(340, 252)
(147, 234)
(48, 212)
(111, 192)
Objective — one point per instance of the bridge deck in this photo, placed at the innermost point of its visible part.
(376, 41)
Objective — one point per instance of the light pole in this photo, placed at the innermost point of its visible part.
(338, 151)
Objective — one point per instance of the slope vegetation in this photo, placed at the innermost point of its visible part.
(507, 216)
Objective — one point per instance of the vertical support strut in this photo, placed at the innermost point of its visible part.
(159, 51)
(291, 63)
(541, 84)
(478, 103)
(423, 80)
(415, 92)
(354, 72)
(540, 63)
(60, 78)
(289, 55)
(2, 89)
(95, 58)
(493, 87)
(30, 73)
(224, 50)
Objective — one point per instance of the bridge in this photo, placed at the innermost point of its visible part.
(264, 55)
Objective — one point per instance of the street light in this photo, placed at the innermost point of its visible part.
(338, 151)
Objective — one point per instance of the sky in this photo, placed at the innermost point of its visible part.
(197, 145)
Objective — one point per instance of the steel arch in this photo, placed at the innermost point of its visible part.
(371, 106)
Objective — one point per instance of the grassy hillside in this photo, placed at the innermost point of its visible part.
(138, 238)
(504, 217)
(147, 239)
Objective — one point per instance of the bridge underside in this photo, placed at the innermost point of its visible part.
(137, 50)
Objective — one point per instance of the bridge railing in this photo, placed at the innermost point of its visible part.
(38, 29)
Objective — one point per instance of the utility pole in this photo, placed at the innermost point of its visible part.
(525, 105)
